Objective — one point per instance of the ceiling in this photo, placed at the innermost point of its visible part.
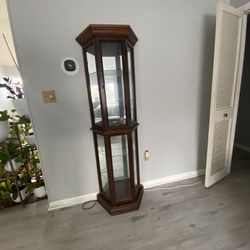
(5, 58)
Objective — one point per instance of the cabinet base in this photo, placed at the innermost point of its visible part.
(123, 208)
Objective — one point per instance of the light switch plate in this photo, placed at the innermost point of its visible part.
(49, 96)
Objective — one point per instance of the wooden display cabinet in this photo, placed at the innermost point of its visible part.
(109, 67)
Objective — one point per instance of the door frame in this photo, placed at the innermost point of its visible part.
(246, 10)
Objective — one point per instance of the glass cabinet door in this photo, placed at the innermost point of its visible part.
(94, 89)
(103, 165)
(120, 161)
(114, 83)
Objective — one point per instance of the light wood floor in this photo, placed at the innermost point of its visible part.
(193, 218)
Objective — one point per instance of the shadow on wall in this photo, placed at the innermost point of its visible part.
(205, 87)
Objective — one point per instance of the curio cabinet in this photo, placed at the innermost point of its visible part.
(108, 54)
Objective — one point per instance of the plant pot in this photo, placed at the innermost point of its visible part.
(23, 193)
(31, 140)
(16, 165)
(21, 106)
(4, 130)
(40, 192)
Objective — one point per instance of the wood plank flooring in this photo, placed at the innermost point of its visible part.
(192, 218)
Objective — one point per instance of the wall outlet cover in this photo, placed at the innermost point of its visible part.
(49, 96)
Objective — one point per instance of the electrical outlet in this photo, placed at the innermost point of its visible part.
(146, 155)
(49, 96)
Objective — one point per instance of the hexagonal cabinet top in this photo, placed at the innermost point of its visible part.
(106, 30)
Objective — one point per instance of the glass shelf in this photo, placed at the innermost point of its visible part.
(112, 73)
(120, 155)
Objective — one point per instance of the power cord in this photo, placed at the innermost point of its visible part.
(171, 188)
(91, 204)
(88, 204)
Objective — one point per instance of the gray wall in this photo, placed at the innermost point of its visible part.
(173, 74)
(242, 135)
(238, 3)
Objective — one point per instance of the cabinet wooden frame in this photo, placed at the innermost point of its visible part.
(94, 36)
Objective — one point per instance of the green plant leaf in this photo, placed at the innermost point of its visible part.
(4, 115)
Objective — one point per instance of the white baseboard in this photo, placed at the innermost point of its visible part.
(242, 147)
(173, 178)
(147, 184)
(71, 201)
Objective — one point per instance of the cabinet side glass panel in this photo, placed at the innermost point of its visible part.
(93, 81)
(120, 161)
(114, 84)
(131, 85)
(134, 145)
(103, 165)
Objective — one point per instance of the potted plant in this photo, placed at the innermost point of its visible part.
(17, 95)
(14, 192)
(36, 185)
(35, 161)
(40, 191)
(25, 128)
(23, 181)
(4, 125)
(5, 198)
(25, 155)
(5, 158)
(15, 163)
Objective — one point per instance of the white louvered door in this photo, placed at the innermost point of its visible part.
(222, 108)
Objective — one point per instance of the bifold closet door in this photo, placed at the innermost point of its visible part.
(228, 35)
